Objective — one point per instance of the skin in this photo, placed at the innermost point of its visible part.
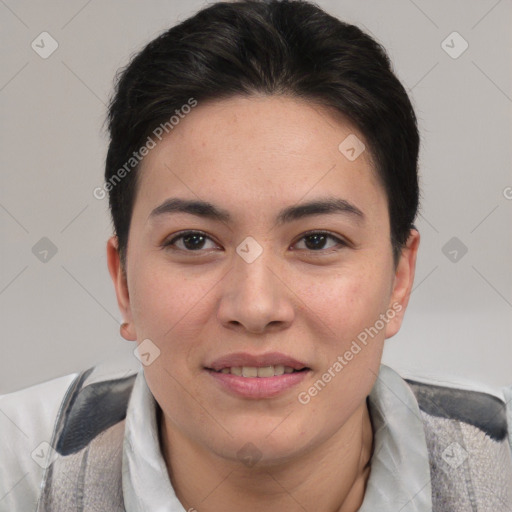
(254, 156)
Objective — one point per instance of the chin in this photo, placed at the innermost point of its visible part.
(261, 445)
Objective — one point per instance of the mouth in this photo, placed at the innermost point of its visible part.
(270, 364)
(259, 371)
(257, 376)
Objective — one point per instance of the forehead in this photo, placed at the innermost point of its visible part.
(258, 150)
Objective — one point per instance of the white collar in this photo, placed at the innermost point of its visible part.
(399, 478)
(400, 471)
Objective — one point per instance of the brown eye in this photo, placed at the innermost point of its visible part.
(317, 240)
(192, 241)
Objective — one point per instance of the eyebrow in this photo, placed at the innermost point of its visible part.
(207, 210)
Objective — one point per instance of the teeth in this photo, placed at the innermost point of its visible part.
(249, 371)
(253, 371)
(279, 369)
(265, 371)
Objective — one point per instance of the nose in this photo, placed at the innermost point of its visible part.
(255, 296)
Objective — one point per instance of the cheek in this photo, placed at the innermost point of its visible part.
(349, 312)
(347, 304)
(167, 309)
(164, 301)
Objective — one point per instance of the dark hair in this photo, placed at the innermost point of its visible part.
(270, 47)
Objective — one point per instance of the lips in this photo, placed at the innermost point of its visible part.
(243, 360)
(257, 377)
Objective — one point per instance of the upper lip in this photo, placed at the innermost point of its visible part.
(245, 359)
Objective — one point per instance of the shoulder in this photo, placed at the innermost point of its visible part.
(468, 433)
(43, 423)
(27, 419)
(474, 405)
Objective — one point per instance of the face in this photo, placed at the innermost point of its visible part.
(312, 290)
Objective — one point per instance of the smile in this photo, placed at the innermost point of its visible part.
(262, 371)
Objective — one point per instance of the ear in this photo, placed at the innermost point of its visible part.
(402, 286)
(121, 287)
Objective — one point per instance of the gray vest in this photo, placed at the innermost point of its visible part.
(89, 433)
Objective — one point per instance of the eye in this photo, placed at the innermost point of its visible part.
(194, 241)
(315, 241)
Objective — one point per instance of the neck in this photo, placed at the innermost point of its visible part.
(331, 477)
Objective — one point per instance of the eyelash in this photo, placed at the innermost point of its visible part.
(340, 242)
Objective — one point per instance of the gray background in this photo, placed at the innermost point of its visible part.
(61, 316)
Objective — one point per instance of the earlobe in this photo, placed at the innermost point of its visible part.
(121, 288)
(403, 282)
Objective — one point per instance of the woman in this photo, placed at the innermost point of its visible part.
(262, 178)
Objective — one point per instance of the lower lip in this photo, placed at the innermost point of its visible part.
(258, 387)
